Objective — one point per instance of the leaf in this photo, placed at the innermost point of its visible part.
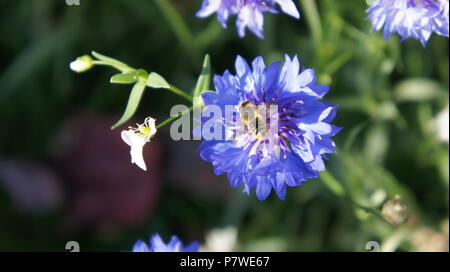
(376, 143)
(204, 78)
(124, 78)
(106, 59)
(353, 134)
(113, 62)
(418, 89)
(332, 183)
(32, 59)
(133, 103)
(202, 82)
(156, 81)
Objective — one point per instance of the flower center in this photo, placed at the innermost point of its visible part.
(255, 119)
(144, 130)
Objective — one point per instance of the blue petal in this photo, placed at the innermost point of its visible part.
(263, 188)
(141, 246)
(208, 8)
(288, 7)
(174, 244)
(241, 66)
(192, 247)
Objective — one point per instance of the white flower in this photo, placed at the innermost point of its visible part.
(221, 240)
(136, 138)
(441, 126)
(81, 64)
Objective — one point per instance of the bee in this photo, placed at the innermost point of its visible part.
(254, 119)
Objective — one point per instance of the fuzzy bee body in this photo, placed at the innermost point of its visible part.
(254, 119)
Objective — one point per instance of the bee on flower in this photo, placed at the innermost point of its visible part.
(270, 150)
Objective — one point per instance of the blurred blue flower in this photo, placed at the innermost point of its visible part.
(249, 12)
(300, 138)
(158, 245)
(416, 19)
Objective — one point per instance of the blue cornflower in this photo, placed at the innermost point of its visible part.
(276, 150)
(416, 19)
(157, 245)
(249, 12)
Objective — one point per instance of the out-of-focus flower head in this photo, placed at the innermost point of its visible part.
(157, 245)
(425, 239)
(416, 19)
(33, 186)
(395, 211)
(287, 128)
(249, 12)
(440, 125)
(221, 240)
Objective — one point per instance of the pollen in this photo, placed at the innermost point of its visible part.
(144, 130)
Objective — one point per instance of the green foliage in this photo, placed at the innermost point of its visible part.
(133, 103)
(124, 78)
(388, 92)
(156, 81)
(204, 77)
(202, 82)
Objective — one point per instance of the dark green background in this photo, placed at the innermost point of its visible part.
(387, 91)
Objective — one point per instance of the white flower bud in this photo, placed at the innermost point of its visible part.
(81, 64)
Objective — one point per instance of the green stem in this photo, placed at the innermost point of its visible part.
(367, 209)
(173, 118)
(313, 18)
(181, 93)
(352, 31)
(332, 183)
(122, 68)
(208, 35)
(125, 68)
(338, 189)
(178, 25)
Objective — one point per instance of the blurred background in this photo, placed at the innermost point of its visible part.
(65, 176)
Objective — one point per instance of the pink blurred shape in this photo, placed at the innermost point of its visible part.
(32, 186)
(105, 189)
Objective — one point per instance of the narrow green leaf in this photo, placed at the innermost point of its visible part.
(376, 142)
(332, 183)
(106, 59)
(133, 103)
(124, 78)
(179, 26)
(30, 60)
(204, 78)
(113, 62)
(353, 134)
(202, 82)
(156, 81)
